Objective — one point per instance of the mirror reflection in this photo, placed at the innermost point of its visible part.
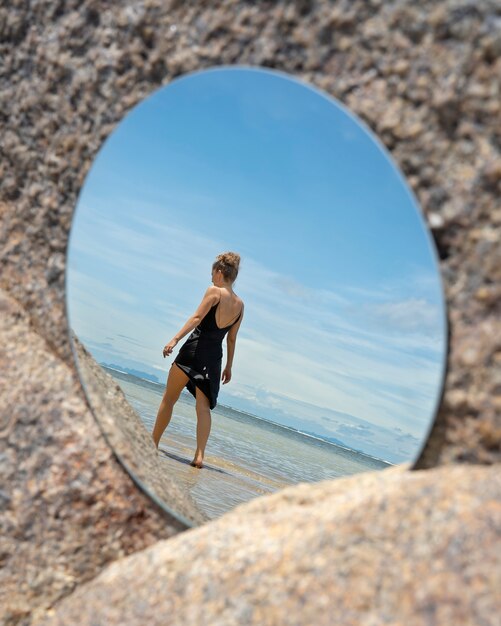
(338, 356)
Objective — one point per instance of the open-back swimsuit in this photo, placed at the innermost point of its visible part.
(201, 354)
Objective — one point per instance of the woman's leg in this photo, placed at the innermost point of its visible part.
(203, 426)
(176, 380)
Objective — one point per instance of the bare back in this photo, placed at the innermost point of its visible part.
(229, 308)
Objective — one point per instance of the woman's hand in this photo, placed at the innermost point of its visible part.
(169, 347)
(226, 376)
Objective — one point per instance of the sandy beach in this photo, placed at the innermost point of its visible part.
(245, 457)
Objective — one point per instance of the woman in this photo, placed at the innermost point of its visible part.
(198, 364)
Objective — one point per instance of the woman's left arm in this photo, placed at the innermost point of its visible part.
(231, 340)
(211, 297)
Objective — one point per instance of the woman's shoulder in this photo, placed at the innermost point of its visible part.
(214, 293)
(236, 298)
(240, 302)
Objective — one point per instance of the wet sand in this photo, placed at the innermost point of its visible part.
(241, 458)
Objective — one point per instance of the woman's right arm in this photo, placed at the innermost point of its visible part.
(211, 297)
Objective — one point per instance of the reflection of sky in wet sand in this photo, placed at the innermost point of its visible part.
(213, 489)
(343, 306)
(245, 457)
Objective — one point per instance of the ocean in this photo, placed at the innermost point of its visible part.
(246, 456)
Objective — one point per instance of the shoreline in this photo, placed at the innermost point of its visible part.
(246, 414)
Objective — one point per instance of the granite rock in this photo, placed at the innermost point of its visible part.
(393, 547)
(425, 77)
(67, 508)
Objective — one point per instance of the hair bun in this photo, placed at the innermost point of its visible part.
(228, 263)
(230, 258)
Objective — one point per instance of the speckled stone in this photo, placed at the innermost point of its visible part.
(67, 508)
(424, 76)
(392, 547)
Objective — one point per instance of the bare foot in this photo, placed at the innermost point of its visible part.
(197, 462)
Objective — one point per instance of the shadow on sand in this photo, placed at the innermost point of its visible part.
(181, 459)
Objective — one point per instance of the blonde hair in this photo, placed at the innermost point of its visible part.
(228, 263)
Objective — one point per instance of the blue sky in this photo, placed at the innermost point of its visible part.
(344, 330)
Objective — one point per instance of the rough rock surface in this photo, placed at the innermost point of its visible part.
(393, 547)
(67, 508)
(424, 76)
(129, 438)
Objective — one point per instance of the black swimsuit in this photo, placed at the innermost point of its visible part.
(201, 354)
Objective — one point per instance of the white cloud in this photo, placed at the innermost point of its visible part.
(365, 353)
(413, 314)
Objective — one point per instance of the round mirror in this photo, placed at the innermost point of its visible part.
(337, 362)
